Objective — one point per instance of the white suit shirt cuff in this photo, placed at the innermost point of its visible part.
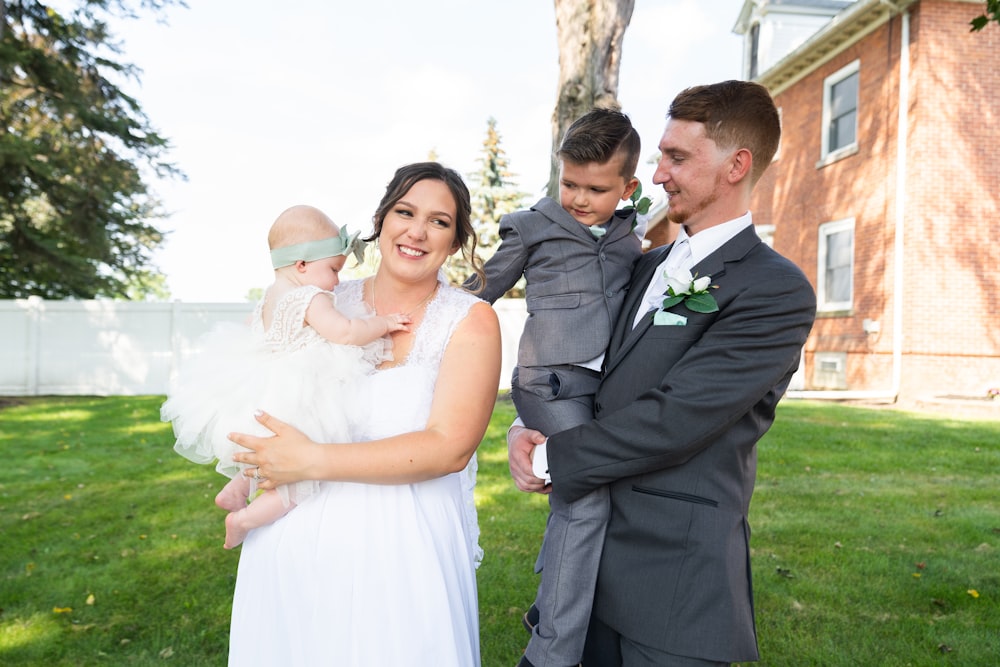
(539, 457)
(540, 462)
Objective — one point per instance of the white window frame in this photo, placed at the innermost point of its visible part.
(781, 136)
(826, 230)
(827, 155)
(766, 234)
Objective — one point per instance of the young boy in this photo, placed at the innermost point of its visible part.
(576, 256)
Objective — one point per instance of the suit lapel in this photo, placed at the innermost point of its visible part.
(640, 281)
(552, 210)
(620, 227)
(625, 337)
(733, 250)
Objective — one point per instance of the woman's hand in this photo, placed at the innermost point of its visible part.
(285, 457)
(521, 443)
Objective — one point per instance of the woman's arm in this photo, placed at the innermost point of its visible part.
(463, 401)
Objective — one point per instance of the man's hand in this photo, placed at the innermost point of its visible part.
(521, 442)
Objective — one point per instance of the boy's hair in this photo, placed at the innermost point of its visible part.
(298, 224)
(736, 114)
(598, 136)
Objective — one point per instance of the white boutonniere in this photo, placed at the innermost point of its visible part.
(692, 291)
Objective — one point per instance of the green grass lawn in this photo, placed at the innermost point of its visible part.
(876, 539)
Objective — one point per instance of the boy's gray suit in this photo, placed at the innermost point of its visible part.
(678, 415)
(575, 289)
(576, 285)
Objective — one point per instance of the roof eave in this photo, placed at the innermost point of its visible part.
(844, 30)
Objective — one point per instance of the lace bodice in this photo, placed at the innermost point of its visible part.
(288, 331)
(448, 307)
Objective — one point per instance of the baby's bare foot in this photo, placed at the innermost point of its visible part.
(231, 499)
(236, 532)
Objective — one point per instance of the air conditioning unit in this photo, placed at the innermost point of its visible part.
(829, 370)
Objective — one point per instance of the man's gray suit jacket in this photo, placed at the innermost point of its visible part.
(678, 415)
(575, 284)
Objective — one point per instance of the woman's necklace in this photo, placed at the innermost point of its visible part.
(411, 311)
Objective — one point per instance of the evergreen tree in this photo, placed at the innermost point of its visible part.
(74, 203)
(494, 194)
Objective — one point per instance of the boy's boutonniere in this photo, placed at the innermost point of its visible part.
(639, 203)
(693, 292)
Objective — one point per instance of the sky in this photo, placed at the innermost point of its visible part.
(317, 102)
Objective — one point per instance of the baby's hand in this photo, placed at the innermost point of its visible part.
(398, 322)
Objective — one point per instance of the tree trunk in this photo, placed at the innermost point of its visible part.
(590, 35)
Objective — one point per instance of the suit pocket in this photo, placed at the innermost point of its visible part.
(553, 301)
(689, 331)
(676, 495)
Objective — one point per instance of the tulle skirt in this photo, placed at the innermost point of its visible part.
(235, 374)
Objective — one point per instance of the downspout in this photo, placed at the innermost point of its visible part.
(902, 130)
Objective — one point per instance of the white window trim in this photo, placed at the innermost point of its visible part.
(826, 156)
(781, 136)
(825, 230)
(766, 234)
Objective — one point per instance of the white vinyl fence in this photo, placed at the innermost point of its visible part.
(107, 348)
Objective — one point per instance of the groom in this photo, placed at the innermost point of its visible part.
(684, 397)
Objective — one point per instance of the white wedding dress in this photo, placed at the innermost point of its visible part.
(366, 575)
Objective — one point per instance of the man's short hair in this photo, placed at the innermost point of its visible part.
(736, 114)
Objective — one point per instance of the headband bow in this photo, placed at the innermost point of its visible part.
(310, 251)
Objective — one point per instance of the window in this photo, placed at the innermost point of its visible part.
(766, 234)
(781, 137)
(840, 112)
(835, 274)
(829, 370)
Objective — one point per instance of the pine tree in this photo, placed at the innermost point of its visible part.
(494, 194)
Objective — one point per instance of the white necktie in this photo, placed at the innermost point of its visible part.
(679, 258)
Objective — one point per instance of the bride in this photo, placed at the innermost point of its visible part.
(378, 568)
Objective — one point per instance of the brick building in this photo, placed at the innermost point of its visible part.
(886, 188)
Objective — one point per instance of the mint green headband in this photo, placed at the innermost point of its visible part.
(310, 251)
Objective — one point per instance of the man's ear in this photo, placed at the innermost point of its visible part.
(630, 188)
(741, 166)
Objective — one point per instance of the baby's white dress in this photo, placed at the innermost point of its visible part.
(287, 369)
(368, 575)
